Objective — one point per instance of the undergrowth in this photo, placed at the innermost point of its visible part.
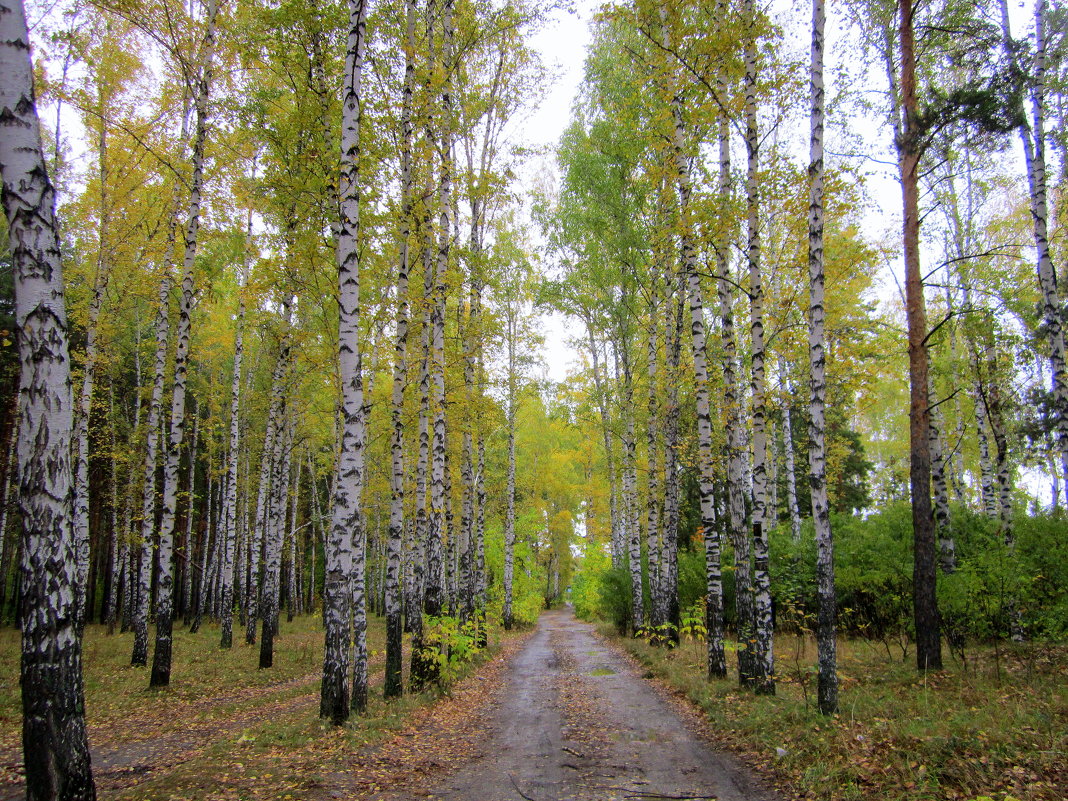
(993, 727)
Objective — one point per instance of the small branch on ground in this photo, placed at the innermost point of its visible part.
(516, 786)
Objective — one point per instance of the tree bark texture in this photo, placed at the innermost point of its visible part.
(54, 742)
(827, 608)
(925, 600)
(341, 560)
(161, 656)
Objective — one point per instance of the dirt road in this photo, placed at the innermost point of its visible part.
(572, 720)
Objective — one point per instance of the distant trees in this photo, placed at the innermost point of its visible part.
(381, 445)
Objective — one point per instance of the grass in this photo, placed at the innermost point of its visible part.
(224, 728)
(993, 727)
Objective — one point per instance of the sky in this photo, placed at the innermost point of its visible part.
(562, 44)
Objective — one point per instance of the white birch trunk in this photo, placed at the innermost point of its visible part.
(187, 548)
(161, 657)
(652, 430)
(55, 747)
(826, 625)
(394, 684)
(345, 564)
(762, 640)
(788, 451)
(148, 496)
(229, 546)
(274, 531)
(511, 322)
(1033, 137)
(631, 515)
(669, 563)
(717, 665)
(735, 511)
(114, 549)
(85, 399)
(437, 530)
(292, 593)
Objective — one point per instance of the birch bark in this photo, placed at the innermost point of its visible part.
(229, 547)
(393, 681)
(55, 746)
(762, 664)
(788, 432)
(344, 564)
(85, 399)
(826, 615)
(161, 656)
(717, 664)
(1033, 137)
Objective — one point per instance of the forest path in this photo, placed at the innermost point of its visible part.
(572, 720)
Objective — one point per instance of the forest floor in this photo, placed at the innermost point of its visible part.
(992, 726)
(563, 712)
(545, 715)
(224, 729)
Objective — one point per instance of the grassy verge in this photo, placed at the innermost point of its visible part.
(224, 729)
(995, 727)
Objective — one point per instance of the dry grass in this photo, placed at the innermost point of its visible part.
(995, 726)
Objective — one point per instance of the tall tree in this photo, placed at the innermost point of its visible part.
(341, 559)
(55, 746)
(910, 147)
(826, 622)
(161, 656)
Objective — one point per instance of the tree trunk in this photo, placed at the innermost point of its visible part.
(292, 591)
(161, 657)
(187, 546)
(511, 322)
(85, 399)
(438, 528)
(787, 418)
(344, 562)
(274, 527)
(669, 561)
(630, 493)
(761, 642)
(717, 664)
(827, 609)
(229, 534)
(925, 599)
(394, 682)
(55, 747)
(652, 431)
(1033, 137)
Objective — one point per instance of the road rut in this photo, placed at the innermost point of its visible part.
(573, 721)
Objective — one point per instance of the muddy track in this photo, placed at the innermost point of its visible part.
(572, 720)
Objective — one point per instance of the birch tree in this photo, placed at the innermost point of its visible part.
(394, 681)
(342, 562)
(826, 616)
(161, 656)
(55, 746)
